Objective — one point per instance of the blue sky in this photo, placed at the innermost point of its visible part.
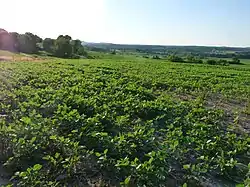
(166, 22)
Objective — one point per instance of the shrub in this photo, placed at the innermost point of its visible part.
(211, 62)
(175, 58)
(156, 57)
(235, 60)
(193, 59)
(223, 62)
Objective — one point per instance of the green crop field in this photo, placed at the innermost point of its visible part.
(125, 121)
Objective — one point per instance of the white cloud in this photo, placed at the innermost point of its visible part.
(83, 19)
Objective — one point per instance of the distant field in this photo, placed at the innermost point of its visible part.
(246, 61)
(128, 121)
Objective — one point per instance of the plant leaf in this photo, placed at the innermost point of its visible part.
(127, 180)
(37, 167)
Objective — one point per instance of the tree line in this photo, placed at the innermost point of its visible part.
(63, 46)
(199, 60)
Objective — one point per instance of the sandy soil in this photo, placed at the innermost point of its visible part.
(20, 58)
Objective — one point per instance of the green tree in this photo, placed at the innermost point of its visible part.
(63, 48)
(28, 43)
(48, 45)
(76, 45)
(211, 62)
(24, 44)
(175, 58)
(67, 37)
(15, 37)
(193, 59)
(190, 58)
(235, 60)
(82, 52)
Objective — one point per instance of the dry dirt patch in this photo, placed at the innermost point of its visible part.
(20, 58)
(6, 58)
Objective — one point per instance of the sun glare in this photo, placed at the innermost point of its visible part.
(79, 18)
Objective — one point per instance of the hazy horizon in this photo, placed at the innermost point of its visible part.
(178, 45)
(141, 22)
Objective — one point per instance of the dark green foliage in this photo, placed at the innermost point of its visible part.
(63, 48)
(212, 61)
(235, 60)
(24, 45)
(28, 43)
(222, 62)
(67, 37)
(78, 49)
(193, 59)
(175, 58)
(82, 52)
(48, 45)
(113, 52)
(189, 59)
(156, 57)
(76, 44)
(15, 36)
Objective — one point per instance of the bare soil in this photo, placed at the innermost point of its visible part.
(20, 58)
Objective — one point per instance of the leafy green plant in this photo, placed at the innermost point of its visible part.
(121, 122)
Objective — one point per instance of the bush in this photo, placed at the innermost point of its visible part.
(223, 62)
(156, 57)
(81, 51)
(235, 60)
(211, 62)
(218, 62)
(193, 59)
(175, 58)
(113, 52)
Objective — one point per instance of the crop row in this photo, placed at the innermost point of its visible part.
(113, 123)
